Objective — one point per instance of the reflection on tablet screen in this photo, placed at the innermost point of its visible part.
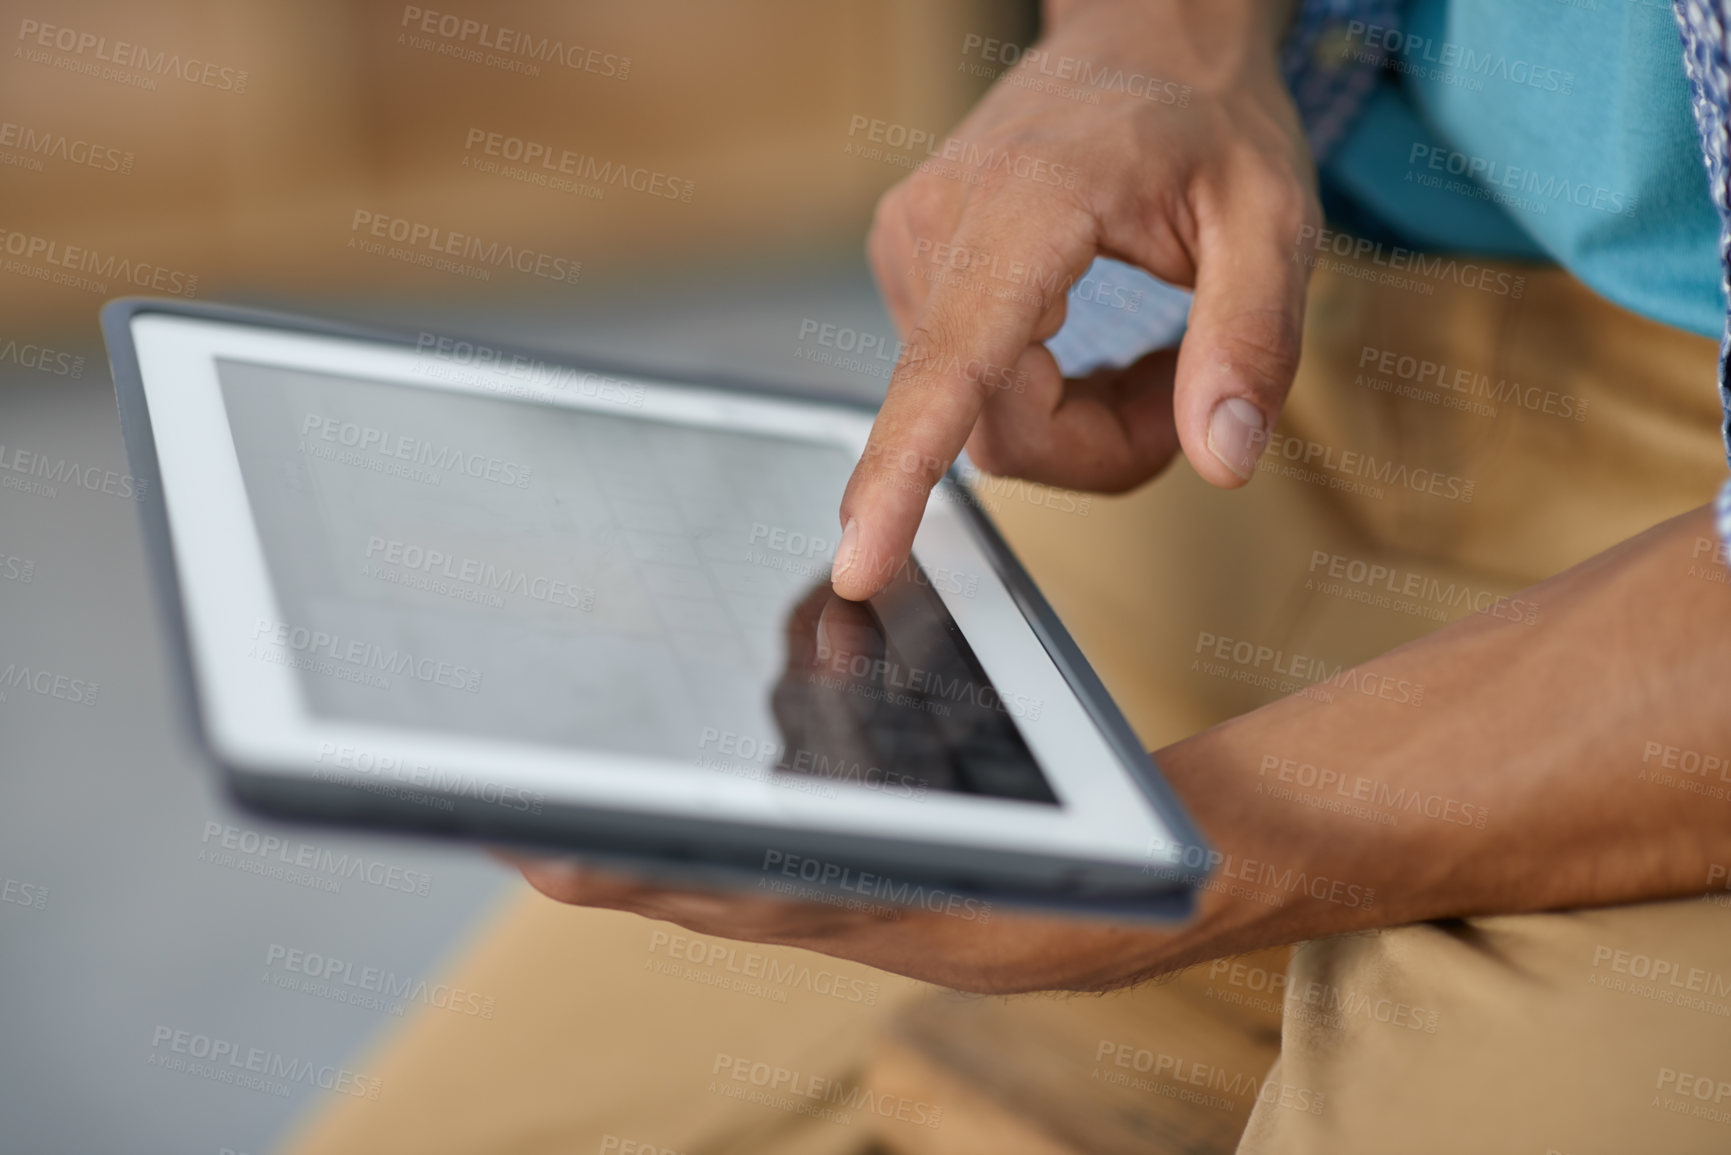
(596, 579)
(893, 686)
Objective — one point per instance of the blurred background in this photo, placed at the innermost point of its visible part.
(245, 166)
(244, 151)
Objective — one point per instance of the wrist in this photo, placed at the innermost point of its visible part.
(1492, 767)
(1285, 863)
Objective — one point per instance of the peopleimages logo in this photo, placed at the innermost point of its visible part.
(444, 459)
(802, 1093)
(36, 897)
(1356, 471)
(1318, 246)
(1292, 671)
(51, 260)
(511, 49)
(46, 683)
(1084, 73)
(915, 687)
(972, 158)
(46, 473)
(1686, 1086)
(225, 1061)
(1389, 587)
(437, 247)
(878, 356)
(751, 969)
(555, 161)
(17, 569)
(1358, 788)
(1167, 857)
(340, 980)
(481, 366)
(1317, 1003)
(36, 144)
(1191, 1073)
(1473, 384)
(819, 767)
(1454, 63)
(37, 36)
(40, 357)
(303, 863)
(425, 775)
(1674, 974)
(1500, 177)
(830, 875)
(480, 577)
(315, 643)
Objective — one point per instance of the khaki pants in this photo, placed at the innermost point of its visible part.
(1470, 441)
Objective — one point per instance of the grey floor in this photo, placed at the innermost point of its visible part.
(123, 919)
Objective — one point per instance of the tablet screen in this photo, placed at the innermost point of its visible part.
(592, 578)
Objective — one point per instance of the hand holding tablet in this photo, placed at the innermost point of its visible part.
(562, 608)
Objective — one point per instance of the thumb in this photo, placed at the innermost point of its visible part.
(1238, 358)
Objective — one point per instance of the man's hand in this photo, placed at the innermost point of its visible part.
(1191, 165)
(1531, 755)
(1000, 954)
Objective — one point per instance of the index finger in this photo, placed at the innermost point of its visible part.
(993, 282)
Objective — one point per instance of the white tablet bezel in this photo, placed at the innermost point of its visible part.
(255, 714)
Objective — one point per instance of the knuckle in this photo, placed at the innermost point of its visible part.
(1291, 207)
(1264, 346)
(891, 207)
(988, 185)
(923, 351)
(922, 195)
(1264, 185)
(934, 358)
(926, 206)
(1279, 194)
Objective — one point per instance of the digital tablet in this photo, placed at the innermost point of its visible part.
(430, 584)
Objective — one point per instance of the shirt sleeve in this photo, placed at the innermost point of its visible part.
(1707, 64)
(1331, 59)
(1723, 508)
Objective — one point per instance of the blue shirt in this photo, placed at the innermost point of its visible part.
(1543, 131)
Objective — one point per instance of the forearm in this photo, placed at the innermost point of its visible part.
(1531, 775)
